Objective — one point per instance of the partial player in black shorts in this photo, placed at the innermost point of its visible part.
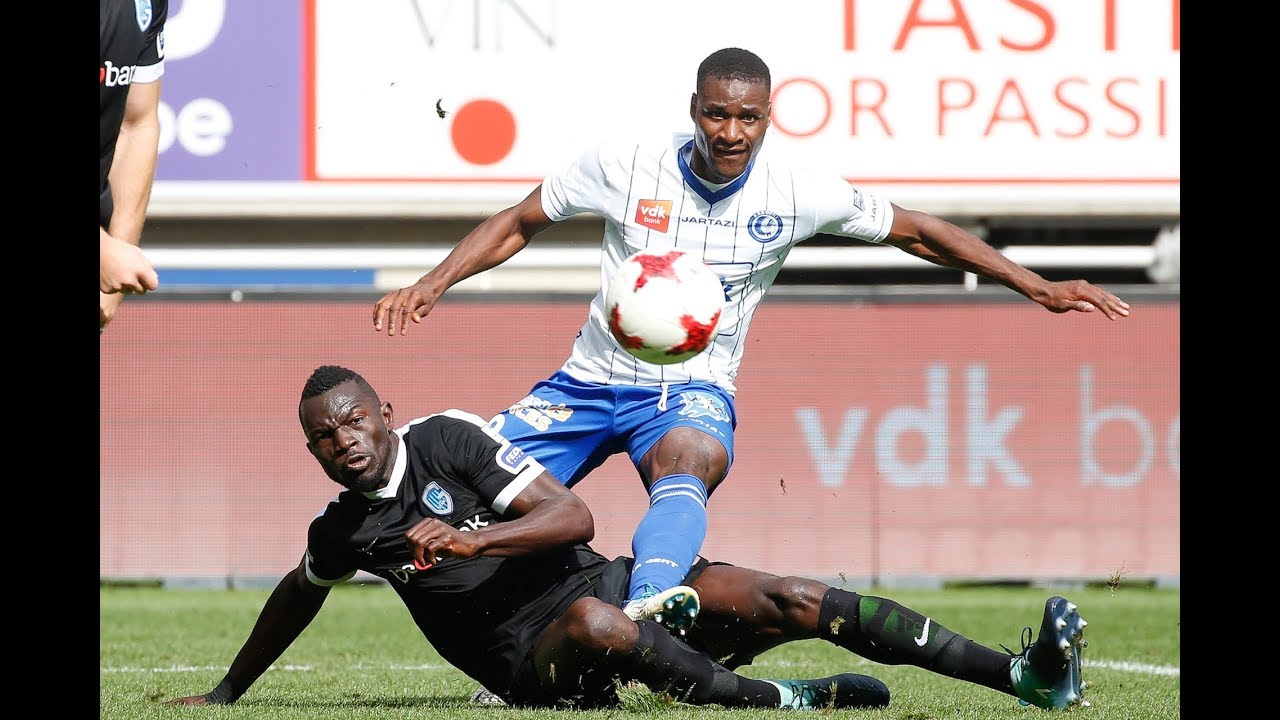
(131, 34)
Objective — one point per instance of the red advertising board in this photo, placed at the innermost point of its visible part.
(974, 440)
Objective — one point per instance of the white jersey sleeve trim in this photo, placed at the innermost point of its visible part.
(315, 580)
(526, 472)
(147, 73)
(530, 472)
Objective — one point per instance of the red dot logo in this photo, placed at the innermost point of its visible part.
(484, 131)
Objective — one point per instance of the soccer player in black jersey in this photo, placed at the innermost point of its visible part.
(132, 39)
(488, 552)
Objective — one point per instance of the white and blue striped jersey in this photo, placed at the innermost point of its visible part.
(651, 200)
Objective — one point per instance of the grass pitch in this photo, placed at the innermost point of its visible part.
(362, 658)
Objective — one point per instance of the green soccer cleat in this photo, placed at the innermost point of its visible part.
(846, 690)
(675, 609)
(1046, 674)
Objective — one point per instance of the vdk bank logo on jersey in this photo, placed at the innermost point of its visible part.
(764, 226)
(438, 499)
(654, 214)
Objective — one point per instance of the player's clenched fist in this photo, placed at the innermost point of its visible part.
(123, 268)
(432, 540)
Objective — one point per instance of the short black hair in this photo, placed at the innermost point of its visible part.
(734, 64)
(328, 377)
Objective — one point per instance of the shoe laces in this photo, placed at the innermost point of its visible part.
(805, 693)
(1026, 644)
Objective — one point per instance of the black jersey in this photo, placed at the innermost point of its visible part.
(132, 51)
(481, 614)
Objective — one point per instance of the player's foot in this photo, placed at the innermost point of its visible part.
(675, 609)
(484, 697)
(1046, 673)
(846, 690)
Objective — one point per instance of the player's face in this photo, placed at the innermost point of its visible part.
(730, 117)
(350, 435)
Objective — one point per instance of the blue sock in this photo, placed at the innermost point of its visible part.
(670, 534)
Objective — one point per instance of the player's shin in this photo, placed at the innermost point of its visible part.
(664, 663)
(886, 632)
(669, 535)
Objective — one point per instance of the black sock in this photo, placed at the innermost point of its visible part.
(886, 632)
(666, 664)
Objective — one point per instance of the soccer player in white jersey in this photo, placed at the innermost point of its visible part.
(717, 195)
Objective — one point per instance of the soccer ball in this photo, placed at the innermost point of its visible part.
(664, 307)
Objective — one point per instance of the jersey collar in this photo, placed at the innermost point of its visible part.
(711, 196)
(397, 474)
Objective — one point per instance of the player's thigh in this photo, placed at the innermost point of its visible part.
(704, 419)
(567, 426)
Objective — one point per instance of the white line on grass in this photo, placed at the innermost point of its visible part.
(1126, 666)
(1122, 665)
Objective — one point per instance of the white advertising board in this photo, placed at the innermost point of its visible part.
(1025, 98)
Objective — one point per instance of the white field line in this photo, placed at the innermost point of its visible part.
(1135, 667)
(1121, 665)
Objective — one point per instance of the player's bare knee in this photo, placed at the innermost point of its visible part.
(597, 627)
(685, 451)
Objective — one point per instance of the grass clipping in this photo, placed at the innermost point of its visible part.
(638, 698)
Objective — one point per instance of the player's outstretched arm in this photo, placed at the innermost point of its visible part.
(943, 243)
(490, 244)
(289, 610)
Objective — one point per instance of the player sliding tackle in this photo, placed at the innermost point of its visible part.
(523, 606)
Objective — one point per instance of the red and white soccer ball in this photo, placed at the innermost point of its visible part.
(664, 307)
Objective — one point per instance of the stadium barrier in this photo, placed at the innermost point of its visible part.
(895, 442)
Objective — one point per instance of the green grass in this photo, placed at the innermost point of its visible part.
(363, 658)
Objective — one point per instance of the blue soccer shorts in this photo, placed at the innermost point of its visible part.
(571, 426)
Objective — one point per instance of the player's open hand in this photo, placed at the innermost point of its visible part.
(1082, 296)
(190, 700)
(398, 307)
(432, 541)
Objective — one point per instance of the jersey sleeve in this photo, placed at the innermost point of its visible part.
(150, 65)
(841, 208)
(484, 460)
(589, 184)
(328, 562)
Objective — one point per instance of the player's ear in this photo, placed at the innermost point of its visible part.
(693, 106)
(388, 415)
